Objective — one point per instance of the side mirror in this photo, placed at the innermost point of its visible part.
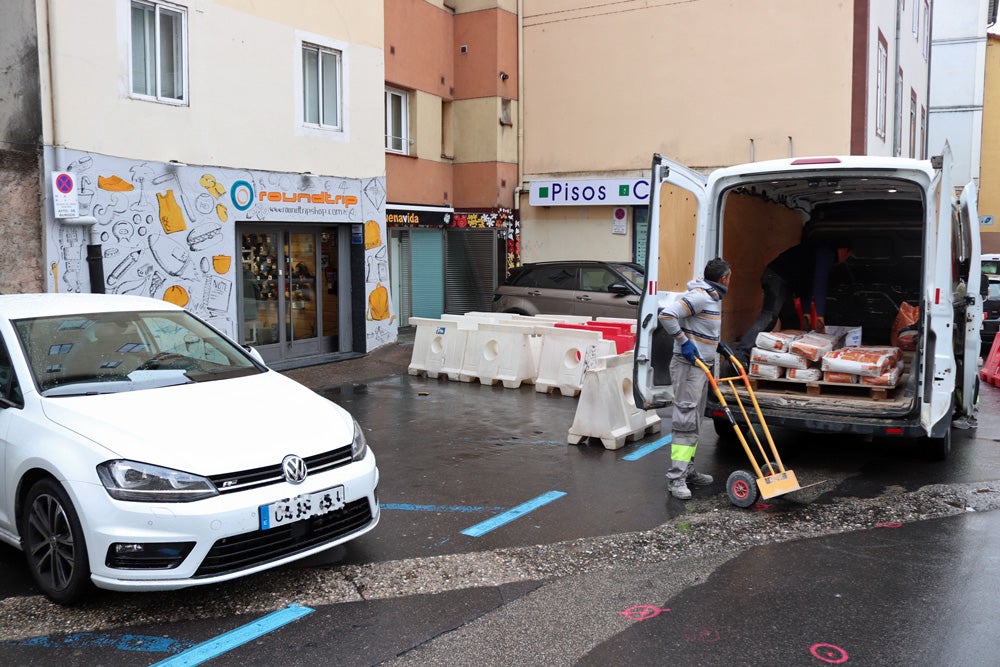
(252, 351)
(620, 289)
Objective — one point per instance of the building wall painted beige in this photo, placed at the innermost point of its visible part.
(575, 232)
(425, 126)
(479, 136)
(989, 175)
(466, 6)
(232, 118)
(693, 81)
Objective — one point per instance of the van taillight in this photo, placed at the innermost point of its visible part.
(817, 160)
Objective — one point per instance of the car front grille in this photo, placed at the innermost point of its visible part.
(257, 477)
(239, 552)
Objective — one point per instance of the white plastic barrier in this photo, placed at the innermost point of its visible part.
(571, 319)
(436, 343)
(500, 352)
(565, 355)
(607, 409)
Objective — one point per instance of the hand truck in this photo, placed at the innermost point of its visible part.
(769, 478)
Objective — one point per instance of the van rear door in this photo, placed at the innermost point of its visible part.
(970, 315)
(678, 209)
(939, 365)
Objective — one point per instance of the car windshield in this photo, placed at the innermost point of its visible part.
(99, 353)
(633, 272)
(994, 290)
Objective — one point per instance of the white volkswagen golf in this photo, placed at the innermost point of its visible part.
(134, 454)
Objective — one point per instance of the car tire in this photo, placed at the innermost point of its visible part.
(53, 543)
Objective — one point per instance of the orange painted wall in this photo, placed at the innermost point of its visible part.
(418, 43)
(485, 185)
(491, 38)
(414, 181)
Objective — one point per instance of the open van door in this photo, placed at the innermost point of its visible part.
(678, 207)
(939, 360)
(969, 317)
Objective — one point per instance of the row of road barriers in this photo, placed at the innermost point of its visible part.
(577, 356)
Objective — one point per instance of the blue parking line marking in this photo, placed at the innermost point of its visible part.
(648, 449)
(80, 640)
(501, 519)
(226, 642)
(408, 507)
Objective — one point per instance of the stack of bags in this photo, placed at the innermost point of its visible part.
(811, 356)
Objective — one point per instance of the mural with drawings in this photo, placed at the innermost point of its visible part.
(167, 231)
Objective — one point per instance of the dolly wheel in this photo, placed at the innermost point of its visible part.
(769, 468)
(742, 488)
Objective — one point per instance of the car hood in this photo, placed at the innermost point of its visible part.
(209, 428)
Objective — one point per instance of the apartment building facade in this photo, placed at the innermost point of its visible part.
(708, 84)
(989, 190)
(219, 154)
(451, 96)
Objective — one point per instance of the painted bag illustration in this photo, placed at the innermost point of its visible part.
(373, 235)
(378, 304)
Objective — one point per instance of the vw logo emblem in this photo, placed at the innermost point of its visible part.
(294, 468)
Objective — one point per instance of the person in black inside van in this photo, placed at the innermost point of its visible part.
(801, 272)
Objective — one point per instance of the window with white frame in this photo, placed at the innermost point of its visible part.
(923, 132)
(880, 85)
(321, 86)
(916, 19)
(913, 123)
(397, 122)
(159, 51)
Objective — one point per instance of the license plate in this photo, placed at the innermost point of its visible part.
(301, 507)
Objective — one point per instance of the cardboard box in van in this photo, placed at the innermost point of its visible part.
(913, 240)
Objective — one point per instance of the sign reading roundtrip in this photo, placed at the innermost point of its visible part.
(590, 192)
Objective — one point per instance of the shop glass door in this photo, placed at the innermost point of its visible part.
(291, 289)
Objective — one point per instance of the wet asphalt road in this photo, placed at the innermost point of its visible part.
(454, 455)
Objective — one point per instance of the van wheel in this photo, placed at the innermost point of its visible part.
(939, 448)
(53, 543)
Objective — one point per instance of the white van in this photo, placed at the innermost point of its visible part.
(913, 240)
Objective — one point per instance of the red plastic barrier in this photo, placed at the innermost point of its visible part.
(619, 333)
(990, 372)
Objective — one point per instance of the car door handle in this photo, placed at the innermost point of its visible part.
(583, 297)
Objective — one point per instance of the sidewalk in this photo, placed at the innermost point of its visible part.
(385, 361)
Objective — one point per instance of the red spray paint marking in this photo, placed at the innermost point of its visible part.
(642, 612)
(888, 524)
(829, 653)
(703, 635)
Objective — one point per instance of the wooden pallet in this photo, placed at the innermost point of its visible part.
(820, 388)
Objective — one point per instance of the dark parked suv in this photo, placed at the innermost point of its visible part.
(572, 287)
(991, 315)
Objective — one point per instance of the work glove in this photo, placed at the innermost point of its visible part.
(820, 325)
(690, 351)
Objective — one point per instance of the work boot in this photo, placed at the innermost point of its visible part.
(699, 479)
(679, 489)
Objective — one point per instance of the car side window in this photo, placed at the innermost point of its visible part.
(552, 277)
(9, 387)
(597, 279)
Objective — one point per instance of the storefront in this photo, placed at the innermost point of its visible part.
(443, 261)
(293, 264)
(594, 218)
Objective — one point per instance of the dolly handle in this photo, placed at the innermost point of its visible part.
(722, 348)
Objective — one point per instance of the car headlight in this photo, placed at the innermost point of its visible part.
(143, 482)
(359, 446)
